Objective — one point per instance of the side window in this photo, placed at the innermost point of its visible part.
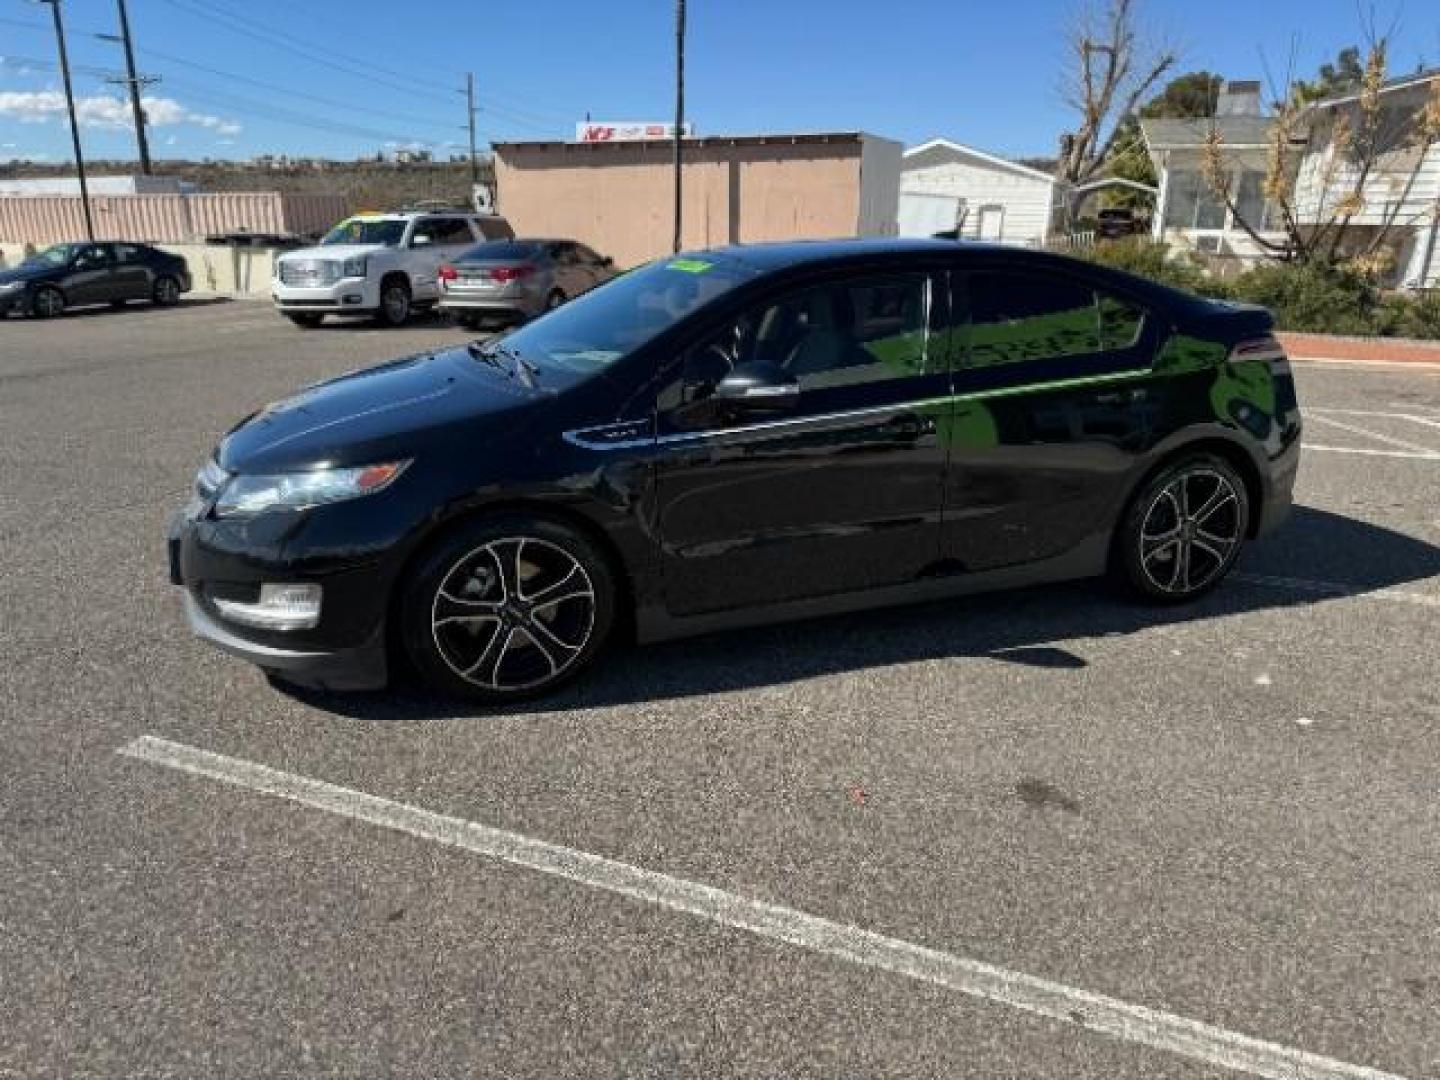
(845, 334)
(587, 256)
(495, 228)
(1015, 318)
(450, 231)
(564, 254)
(128, 254)
(92, 258)
(1121, 322)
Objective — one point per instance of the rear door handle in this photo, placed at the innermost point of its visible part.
(907, 426)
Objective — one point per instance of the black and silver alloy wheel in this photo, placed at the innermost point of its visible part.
(47, 303)
(166, 292)
(1185, 530)
(507, 611)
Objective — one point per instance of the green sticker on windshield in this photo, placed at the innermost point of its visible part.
(690, 266)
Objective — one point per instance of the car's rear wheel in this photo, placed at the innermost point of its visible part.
(395, 302)
(507, 608)
(166, 291)
(47, 302)
(1184, 530)
(305, 320)
(554, 300)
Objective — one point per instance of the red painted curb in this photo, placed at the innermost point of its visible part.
(1374, 349)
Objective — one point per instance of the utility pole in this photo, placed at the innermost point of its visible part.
(679, 109)
(135, 83)
(470, 116)
(74, 124)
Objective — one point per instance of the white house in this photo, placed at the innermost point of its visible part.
(946, 185)
(1401, 194)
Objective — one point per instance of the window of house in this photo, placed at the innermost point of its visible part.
(1191, 203)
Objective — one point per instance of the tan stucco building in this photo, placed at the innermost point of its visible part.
(619, 197)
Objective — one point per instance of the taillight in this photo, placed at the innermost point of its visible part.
(448, 273)
(1260, 348)
(503, 274)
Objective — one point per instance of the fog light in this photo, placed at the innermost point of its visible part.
(353, 298)
(281, 607)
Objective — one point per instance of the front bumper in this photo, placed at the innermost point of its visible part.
(355, 296)
(346, 651)
(16, 302)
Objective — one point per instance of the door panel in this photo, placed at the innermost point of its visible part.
(91, 279)
(840, 492)
(1053, 404)
(133, 276)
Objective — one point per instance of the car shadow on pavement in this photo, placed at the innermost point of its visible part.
(1315, 556)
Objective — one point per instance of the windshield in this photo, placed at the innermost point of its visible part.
(594, 330)
(59, 255)
(363, 231)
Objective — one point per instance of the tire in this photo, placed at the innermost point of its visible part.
(165, 292)
(116, 305)
(1183, 530)
(395, 302)
(47, 302)
(467, 611)
(554, 300)
(305, 321)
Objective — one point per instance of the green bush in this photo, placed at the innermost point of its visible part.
(1308, 297)
(1312, 297)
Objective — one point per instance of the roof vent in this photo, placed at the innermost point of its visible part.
(1239, 99)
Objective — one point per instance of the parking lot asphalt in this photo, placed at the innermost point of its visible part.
(1224, 815)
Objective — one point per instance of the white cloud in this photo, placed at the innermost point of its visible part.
(106, 111)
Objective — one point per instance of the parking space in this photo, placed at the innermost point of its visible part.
(1047, 834)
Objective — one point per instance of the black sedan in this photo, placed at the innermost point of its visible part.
(76, 275)
(736, 436)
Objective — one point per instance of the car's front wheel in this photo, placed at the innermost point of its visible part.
(395, 302)
(47, 302)
(1184, 530)
(507, 608)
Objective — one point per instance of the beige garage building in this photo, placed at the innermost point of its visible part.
(618, 197)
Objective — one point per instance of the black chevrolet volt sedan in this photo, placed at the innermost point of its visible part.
(737, 436)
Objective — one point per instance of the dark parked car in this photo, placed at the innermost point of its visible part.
(74, 275)
(519, 279)
(736, 436)
(1118, 222)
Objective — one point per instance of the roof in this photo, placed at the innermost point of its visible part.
(1401, 82)
(1234, 131)
(833, 137)
(940, 150)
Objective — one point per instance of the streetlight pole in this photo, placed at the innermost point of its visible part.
(470, 117)
(74, 124)
(679, 111)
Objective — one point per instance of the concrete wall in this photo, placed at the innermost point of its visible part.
(241, 271)
(52, 219)
(618, 198)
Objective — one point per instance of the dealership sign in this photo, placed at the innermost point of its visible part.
(602, 131)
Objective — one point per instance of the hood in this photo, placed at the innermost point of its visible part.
(338, 252)
(26, 272)
(375, 415)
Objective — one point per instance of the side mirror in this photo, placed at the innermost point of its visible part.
(607, 262)
(757, 387)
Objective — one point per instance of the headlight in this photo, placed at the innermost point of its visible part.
(355, 267)
(300, 490)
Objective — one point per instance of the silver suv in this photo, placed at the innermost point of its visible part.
(381, 266)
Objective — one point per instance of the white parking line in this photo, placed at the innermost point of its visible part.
(1337, 590)
(1411, 417)
(1426, 455)
(1027, 993)
(1356, 429)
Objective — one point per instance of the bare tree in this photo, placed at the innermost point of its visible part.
(1358, 155)
(1110, 68)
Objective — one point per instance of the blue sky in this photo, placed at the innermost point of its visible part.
(345, 77)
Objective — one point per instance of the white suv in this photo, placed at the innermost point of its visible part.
(380, 266)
